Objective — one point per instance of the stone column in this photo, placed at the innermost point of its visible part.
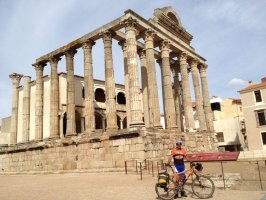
(109, 82)
(145, 94)
(177, 96)
(206, 98)
(198, 98)
(123, 44)
(54, 99)
(26, 109)
(188, 111)
(89, 87)
(153, 88)
(168, 99)
(39, 102)
(132, 64)
(14, 117)
(71, 119)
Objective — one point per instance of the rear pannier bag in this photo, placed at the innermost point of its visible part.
(163, 178)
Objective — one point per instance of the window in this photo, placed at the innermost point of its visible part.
(83, 93)
(257, 96)
(263, 137)
(260, 117)
(216, 106)
(220, 136)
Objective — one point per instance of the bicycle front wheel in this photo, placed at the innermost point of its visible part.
(203, 186)
(166, 192)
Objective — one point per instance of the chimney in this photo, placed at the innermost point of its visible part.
(263, 80)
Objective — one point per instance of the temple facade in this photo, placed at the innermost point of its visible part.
(60, 107)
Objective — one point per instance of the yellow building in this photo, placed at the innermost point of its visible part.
(253, 99)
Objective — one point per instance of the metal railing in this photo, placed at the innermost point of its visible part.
(226, 174)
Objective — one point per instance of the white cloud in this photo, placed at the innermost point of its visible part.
(236, 82)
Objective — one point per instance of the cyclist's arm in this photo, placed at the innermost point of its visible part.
(185, 156)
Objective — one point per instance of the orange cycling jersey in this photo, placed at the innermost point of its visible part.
(179, 155)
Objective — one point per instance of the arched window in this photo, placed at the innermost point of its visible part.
(99, 95)
(121, 99)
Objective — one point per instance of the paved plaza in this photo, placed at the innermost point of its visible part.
(92, 186)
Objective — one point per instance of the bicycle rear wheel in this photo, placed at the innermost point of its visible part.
(168, 192)
(203, 186)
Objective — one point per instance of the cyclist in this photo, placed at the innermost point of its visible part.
(178, 154)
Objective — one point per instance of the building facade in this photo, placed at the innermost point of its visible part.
(253, 99)
(228, 124)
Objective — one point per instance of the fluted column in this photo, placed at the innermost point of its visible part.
(71, 119)
(206, 98)
(109, 82)
(54, 99)
(153, 88)
(26, 109)
(187, 104)
(198, 98)
(177, 96)
(123, 44)
(168, 98)
(145, 94)
(14, 117)
(88, 87)
(132, 64)
(39, 102)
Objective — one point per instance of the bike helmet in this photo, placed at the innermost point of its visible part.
(179, 142)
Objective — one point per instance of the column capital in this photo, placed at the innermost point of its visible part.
(165, 45)
(26, 77)
(203, 67)
(175, 66)
(142, 53)
(149, 34)
(193, 63)
(130, 23)
(15, 77)
(54, 60)
(69, 53)
(107, 35)
(182, 56)
(39, 66)
(123, 44)
(88, 44)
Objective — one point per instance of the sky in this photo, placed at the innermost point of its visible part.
(229, 34)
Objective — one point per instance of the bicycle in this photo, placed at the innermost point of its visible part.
(202, 186)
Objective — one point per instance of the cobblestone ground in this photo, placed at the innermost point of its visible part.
(92, 186)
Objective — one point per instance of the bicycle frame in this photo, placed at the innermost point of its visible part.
(189, 172)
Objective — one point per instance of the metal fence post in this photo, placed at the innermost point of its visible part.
(126, 167)
(259, 174)
(140, 171)
(223, 173)
(149, 167)
(152, 169)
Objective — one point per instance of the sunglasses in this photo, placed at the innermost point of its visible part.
(178, 143)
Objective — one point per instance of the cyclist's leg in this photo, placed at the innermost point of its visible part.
(181, 168)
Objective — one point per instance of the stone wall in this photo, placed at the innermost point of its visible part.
(100, 151)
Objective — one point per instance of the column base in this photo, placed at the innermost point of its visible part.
(53, 137)
(136, 124)
(71, 134)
